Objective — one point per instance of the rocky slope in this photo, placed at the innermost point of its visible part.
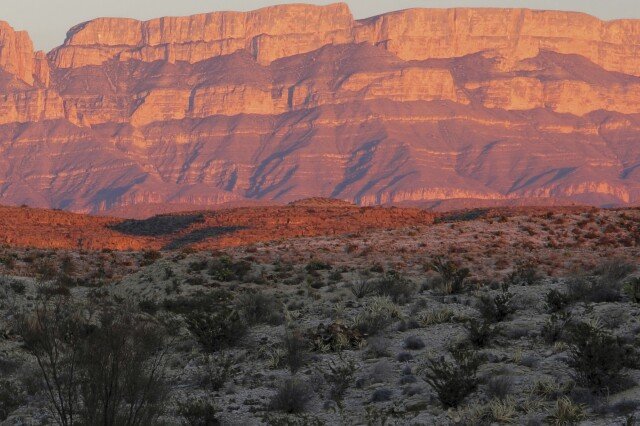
(417, 106)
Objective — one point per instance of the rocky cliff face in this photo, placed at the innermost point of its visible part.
(295, 101)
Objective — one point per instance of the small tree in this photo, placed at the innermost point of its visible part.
(106, 370)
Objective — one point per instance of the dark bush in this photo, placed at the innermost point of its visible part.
(480, 333)
(632, 289)
(381, 395)
(554, 328)
(453, 380)
(198, 412)
(18, 287)
(198, 302)
(414, 343)
(453, 277)
(216, 330)
(604, 285)
(296, 349)
(496, 308)
(149, 257)
(396, 286)
(598, 358)
(339, 375)
(108, 372)
(525, 274)
(218, 370)
(292, 396)
(317, 265)
(10, 398)
(557, 301)
(363, 288)
(499, 387)
(260, 308)
(226, 269)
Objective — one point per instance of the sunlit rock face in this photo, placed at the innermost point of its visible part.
(294, 101)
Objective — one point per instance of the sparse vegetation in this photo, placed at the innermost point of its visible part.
(304, 331)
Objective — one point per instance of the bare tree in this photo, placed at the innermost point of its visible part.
(107, 370)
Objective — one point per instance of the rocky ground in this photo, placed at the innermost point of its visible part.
(483, 317)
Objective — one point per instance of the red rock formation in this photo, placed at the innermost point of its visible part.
(286, 102)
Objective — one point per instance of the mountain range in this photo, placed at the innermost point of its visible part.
(421, 107)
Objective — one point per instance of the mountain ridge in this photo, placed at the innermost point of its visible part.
(293, 101)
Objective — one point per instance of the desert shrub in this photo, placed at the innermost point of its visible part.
(566, 412)
(556, 301)
(438, 316)
(413, 343)
(632, 290)
(260, 308)
(149, 257)
(216, 330)
(339, 374)
(378, 347)
(291, 397)
(614, 270)
(381, 395)
(395, 286)
(198, 265)
(108, 370)
(453, 277)
(496, 308)
(525, 274)
(198, 302)
(598, 358)
(605, 285)
(453, 380)
(554, 327)
(218, 370)
(198, 412)
(590, 289)
(480, 333)
(317, 265)
(226, 269)
(363, 288)
(499, 387)
(334, 337)
(149, 306)
(18, 287)
(10, 398)
(296, 350)
(376, 315)
(49, 291)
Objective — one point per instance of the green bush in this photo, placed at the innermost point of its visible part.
(260, 308)
(556, 301)
(526, 274)
(395, 286)
(496, 308)
(226, 269)
(453, 277)
(216, 330)
(598, 358)
(632, 290)
(291, 397)
(453, 380)
(377, 314)
(480, 333)
(10, 398)
(198, 412)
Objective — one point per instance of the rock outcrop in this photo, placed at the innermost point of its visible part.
(286, 102)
